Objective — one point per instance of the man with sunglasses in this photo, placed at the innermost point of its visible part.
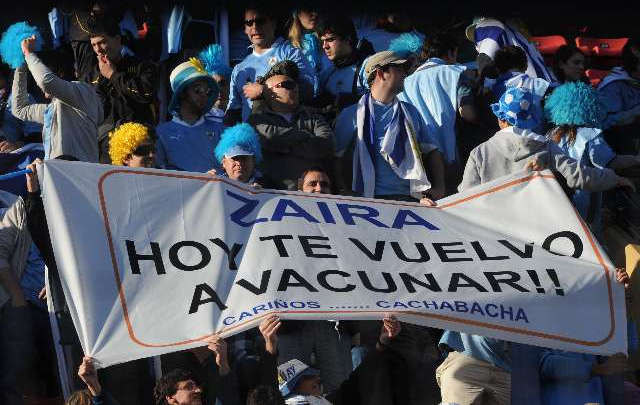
(187, 141)
(259, 25)
(292, 137)
(131, 145)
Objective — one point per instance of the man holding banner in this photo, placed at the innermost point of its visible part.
(514, 147)
(509, 259)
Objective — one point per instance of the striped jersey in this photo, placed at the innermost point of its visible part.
(491, 35)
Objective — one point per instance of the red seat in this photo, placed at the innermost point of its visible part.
(548, 45)
(595, 76)
(601, 46)
(142, 34)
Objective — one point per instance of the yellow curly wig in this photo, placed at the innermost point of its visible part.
(125, 139)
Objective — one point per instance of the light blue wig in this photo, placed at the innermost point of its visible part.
(239, 134)
(406, 44)
(575, 103)
(213, 60)
(10, 48)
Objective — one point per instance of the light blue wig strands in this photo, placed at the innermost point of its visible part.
(10, 48)
(213, 60)
(575, 103)
(406, 44)
(240, 134)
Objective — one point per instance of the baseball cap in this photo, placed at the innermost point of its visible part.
(382, 59)
(238, 150)
(289, 374)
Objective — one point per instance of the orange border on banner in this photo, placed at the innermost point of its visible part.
(254, 319)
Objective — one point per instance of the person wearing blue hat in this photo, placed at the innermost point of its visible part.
(577, 113)
(238, 152)
(214, 63)
(512, 149)
(188, 141)
(516, 146)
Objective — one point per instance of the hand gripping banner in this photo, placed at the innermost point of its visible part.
(155, 261)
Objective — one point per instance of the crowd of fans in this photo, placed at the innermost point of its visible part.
(383, 113)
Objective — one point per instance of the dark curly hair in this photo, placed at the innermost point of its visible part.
(438, 45)
(168, 385)
(102, 26)
(510, 57)
(283, 68)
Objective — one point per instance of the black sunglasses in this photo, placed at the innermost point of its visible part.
(285, 84)
(257, 21)
(143, 150)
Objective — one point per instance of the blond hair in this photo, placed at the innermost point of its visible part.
(296, 31)
(125, 139)
(79, 398)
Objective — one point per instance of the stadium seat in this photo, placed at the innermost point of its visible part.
(611, 47)
(548, 45)
(142, 34)
(595, 76)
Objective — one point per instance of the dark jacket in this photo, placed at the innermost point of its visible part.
(129, 95)
(291, 147)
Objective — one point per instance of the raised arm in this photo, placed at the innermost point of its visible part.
(49, 83)
(20, 106)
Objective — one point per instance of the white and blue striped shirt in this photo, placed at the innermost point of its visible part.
(491, 35)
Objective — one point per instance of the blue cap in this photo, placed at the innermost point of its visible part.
(516, 107)
(290, 373)
(238, 150)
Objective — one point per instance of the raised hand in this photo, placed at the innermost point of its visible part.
(269, 329)
(28, 45)
(219, 347)
(89, 375)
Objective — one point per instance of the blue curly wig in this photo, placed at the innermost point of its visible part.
(213, 60)
(10, 48)
(240, 134)
(575, 103)
(406, 44)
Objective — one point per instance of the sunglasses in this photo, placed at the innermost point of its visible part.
(257, 21)
(285, 84)
(202, 90)
(143, 150)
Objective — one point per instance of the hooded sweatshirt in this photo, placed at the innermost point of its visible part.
(509, 151)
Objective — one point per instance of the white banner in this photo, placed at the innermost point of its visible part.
(154, 261)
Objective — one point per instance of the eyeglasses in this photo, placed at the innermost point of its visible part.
(257, 21)
(143, 150)
(285, 84)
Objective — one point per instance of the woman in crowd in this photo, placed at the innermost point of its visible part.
(569, 64)
(577, 113)
(303, 34)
